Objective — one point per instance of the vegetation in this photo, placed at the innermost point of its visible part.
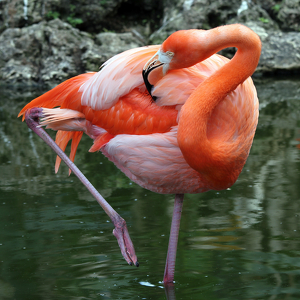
(50, 15)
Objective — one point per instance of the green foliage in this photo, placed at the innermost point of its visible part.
(276, 7)
(264, 20)
(106, 30)
(71, 19)
(52, 15)
(74, 21)
(72, 7)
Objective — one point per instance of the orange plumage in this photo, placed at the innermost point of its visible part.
(185, 126)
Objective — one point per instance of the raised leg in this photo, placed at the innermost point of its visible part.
(172, 249)
(120, 232)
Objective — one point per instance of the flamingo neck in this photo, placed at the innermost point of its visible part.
(219, 170)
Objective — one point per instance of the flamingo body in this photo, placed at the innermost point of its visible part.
(137, 134)
(175, 118)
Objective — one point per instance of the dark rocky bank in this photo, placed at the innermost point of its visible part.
(47, 41)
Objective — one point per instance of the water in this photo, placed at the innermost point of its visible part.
(242, 243)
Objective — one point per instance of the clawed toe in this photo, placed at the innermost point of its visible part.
(35, 113)
(125, 243)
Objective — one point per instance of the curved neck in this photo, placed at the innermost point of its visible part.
(198, 151)
(236, 71)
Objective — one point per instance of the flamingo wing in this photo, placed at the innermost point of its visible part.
(154, 161)
(176, 86)
(115, 100)
(118, 76)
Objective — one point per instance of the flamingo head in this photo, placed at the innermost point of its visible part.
(182, 49)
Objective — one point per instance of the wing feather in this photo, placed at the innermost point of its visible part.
(150, 160)
(175, 87)
(118, 76)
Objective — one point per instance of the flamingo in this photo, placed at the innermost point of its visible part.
(176, 118)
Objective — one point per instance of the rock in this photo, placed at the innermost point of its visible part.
(280, 52)
(107, 45)
(289, 15)
(11, 14)
(205, 14)
(90, 14)
(176, 17)
(255, 14)
(117, 42)
(51, 51)
(54, 51)
(41, 52)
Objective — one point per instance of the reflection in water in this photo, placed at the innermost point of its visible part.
(242, 243)
(170, 291)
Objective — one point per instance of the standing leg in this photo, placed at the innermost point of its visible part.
(120, 232)
(172, 249)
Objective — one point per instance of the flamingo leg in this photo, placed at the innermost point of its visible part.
(172, 249)
(120, 231)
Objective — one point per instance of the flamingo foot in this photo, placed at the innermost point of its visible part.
(127, 249)
(32, 118)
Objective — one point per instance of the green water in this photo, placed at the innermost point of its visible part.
(242, 243)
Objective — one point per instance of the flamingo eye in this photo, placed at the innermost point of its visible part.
(170, 54)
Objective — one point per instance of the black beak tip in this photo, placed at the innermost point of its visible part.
(148, 85)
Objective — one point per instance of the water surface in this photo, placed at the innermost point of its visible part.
(243, 243)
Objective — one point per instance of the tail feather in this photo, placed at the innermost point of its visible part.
(65, 95)
(62, 139)
(75, 142)
(100, 141)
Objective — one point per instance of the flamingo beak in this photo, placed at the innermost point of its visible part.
(152, 64)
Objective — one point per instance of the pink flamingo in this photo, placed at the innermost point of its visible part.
(175, 118)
